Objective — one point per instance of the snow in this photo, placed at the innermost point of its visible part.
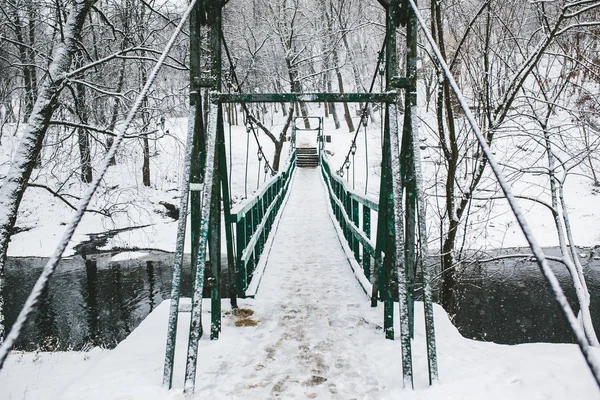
(493, 225)
(315, 337)
(128, 255)
(332, 346)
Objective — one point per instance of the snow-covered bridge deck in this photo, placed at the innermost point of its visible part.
(315, 336)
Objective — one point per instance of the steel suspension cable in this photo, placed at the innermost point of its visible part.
(42, 282)
(238, 89)
(366, 162)
(363, 113)
(542, 262)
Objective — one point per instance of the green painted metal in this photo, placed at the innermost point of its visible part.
(388, 97)
(215, 217)
(356, 221)
(366, 225)
(400, 247)
(196, 312)
(318, 129)
(401, 82)
(395, 246)
(344, 203)
(417, 192)
(215, 239)
(253, 221)
(199, 140)
(178, 262)
(228, 219)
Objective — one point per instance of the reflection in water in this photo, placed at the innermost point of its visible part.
(90, 297)
(89, 302)
(151, 283)
(95, 302)
(509, 301)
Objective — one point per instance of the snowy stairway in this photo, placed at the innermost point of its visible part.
(307, 157)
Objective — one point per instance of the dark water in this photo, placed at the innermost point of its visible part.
(96, 302)
(90, 302)
(510, 302)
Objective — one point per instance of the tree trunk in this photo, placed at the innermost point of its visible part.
(297, 88)
(331, 106)
(81, 109)
(15, 183)
(23, 58)
(340, 81)
(332, 109)
(347, 115)
(115, 110)
(145, 139)
(350, 55)
(277, 155)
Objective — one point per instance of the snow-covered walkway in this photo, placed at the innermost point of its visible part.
(312, 312)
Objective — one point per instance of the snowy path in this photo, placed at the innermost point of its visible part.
(311, 311)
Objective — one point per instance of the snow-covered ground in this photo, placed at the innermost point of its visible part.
(130, 204)
(309, 333)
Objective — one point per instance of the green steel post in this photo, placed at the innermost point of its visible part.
(389, 260)
(249, 231)
(215, 25)
(196, 313)
(366, 258)
(199, 140)
(227, 214)
(240, 237)
(261, 214)
(408, 169)
(338, 195)
(411, 99)
(215, 240)
(379, 276)
(348, 208)
(178, 262)
(410, 204)
(356, 220)
(256, 250)
(396, 242)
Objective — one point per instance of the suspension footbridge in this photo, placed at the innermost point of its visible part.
(326, 289)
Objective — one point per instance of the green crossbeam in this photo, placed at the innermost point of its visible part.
(389, 97)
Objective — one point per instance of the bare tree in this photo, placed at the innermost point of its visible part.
(505, 40)
(15, 183)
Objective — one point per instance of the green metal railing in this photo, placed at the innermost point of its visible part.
(348, 207)
(253, 221)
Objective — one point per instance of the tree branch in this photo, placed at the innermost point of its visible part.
(60, 197)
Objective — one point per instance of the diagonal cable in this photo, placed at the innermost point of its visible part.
(238, 89)
(559, 295)
(363, 113)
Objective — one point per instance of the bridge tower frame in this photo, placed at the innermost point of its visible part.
(401, 233)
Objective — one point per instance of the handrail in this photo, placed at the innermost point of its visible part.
(239, 210)
(253, 220)
(356, 229)
(368, 201)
